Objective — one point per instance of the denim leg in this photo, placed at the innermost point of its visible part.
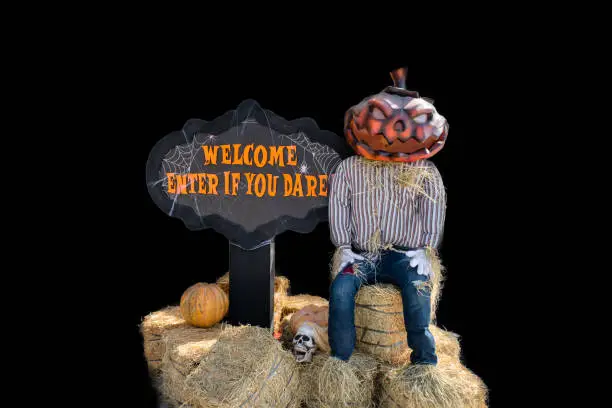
(417, 306)
(341, 324)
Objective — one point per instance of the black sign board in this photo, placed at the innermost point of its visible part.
(250, 175)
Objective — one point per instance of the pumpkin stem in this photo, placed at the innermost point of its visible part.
(399, 77)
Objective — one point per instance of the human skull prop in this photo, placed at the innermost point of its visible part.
(304, 345)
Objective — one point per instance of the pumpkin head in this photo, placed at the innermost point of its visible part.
(395, 125)
(204, 304)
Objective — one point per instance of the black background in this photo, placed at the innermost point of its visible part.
(153, 258)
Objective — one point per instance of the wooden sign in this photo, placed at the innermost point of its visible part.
(250, 175)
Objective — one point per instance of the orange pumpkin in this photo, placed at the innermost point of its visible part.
(204, 304)
(311, 313)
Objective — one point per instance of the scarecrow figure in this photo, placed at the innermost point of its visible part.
(386, 213)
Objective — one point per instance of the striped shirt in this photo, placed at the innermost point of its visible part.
(375, 204)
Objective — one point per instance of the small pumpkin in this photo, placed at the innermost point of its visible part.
(204, 304)
(315, 314)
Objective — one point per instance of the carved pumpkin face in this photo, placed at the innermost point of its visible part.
(395, 125)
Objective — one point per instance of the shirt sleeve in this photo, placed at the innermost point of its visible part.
(340, 207)
(432, 209)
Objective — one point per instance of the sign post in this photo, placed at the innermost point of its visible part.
(250, 175)
(252, 285)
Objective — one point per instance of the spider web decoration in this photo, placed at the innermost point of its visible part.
(246, 219)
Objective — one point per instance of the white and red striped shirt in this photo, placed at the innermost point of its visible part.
(367, 204)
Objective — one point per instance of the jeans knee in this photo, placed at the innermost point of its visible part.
(417, 294)
(421, 340)
(343, 291)
(344, 284)
(419, 330)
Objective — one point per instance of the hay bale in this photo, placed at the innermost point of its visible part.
(379, 323)
(447, 343)
(246, 367)
(330, 382)
(223, 283)
(447, 385)
(156, 324)
(437, 280)
(185, 347)
(281, 291)
(173, 387)
(153, 328)
(165, 401)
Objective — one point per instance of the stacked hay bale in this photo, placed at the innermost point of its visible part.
(381, 332)
(153, 328)
(379, 322)
(449, 384)
(327, 381)
(246, 367)
(184, 348)
(330, 382)
(227, 366)
(281, 292)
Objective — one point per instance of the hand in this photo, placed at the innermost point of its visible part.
(347, 257)
(419, 259)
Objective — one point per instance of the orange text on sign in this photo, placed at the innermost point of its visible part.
(255, 184)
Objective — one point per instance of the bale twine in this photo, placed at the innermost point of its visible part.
(330, 382)
(153, 328)
(185, 347)
(247, 367)
(281, 291)
(447, 385)
(380, 328)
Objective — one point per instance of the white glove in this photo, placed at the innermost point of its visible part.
(419, 259)
(347, 257)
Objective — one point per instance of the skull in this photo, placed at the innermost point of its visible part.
(304, 344)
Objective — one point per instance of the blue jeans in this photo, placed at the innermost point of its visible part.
(392, 267)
